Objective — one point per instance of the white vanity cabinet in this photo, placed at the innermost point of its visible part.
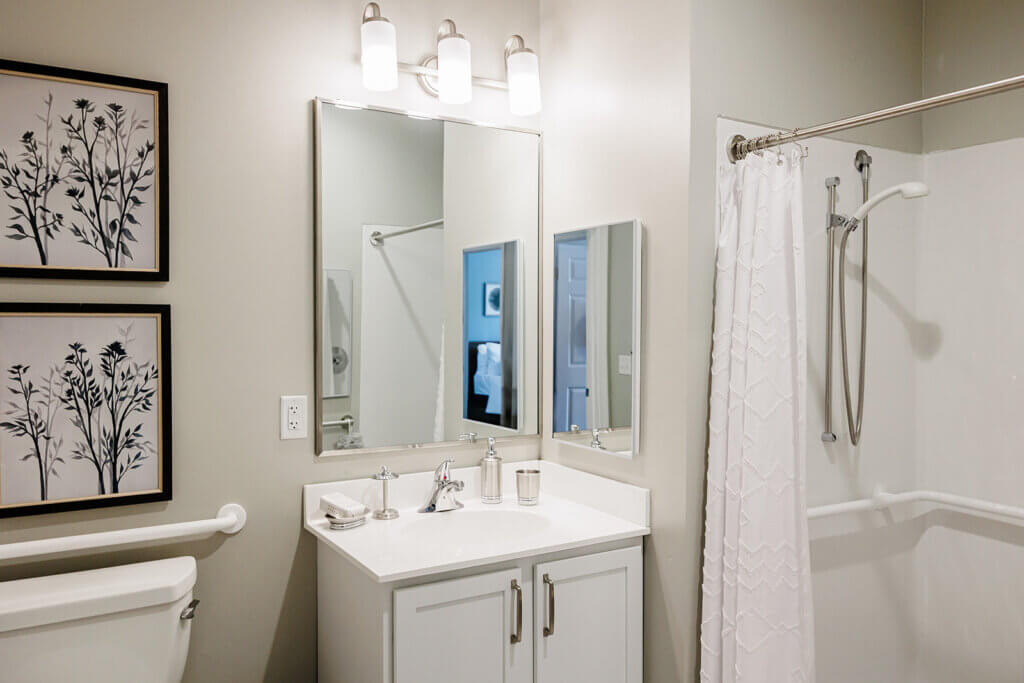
(468, 630)
(584, 623)
(589, 618)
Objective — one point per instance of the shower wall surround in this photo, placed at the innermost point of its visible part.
(970, 396)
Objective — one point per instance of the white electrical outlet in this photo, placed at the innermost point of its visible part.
(293, 417)
(625, 364)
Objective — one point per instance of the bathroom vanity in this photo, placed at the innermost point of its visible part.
(505, 593)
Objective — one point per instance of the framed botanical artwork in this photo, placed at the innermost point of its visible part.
(83, 175)
(85, 409)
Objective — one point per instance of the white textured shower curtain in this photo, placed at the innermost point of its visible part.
(757, 623)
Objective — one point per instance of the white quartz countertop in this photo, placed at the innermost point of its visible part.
(576, 509)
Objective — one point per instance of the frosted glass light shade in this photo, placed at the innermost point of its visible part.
(454, 70)
(380, 55)
(523, 83)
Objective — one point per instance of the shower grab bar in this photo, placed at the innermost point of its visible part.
(229, 520)
(882, 500)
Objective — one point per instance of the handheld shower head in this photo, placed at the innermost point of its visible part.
(911, 190)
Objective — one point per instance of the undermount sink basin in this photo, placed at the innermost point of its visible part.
(473, 522)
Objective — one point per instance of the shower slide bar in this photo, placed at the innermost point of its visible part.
(229, 520)
(739, 147)
(882, 500)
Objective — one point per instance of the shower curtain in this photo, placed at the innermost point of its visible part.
(757, 622)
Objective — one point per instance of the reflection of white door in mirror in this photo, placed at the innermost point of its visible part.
(570, 405)
(337, 342)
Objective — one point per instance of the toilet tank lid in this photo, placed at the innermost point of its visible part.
(26, 603)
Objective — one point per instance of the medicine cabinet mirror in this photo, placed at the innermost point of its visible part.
(427, 268)
(596, 338)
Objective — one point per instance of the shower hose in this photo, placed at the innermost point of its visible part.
(855, 422)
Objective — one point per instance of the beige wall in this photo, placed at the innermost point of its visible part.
(616, 147)
(965, 44)
(241, 77)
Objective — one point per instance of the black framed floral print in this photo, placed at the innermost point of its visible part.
(85, 410)
(83, 175)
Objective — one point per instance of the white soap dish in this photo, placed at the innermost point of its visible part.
(339, 524)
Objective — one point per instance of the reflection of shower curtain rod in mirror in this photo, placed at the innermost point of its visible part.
(377, 237)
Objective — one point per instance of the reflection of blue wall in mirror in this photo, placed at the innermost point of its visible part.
(479, 268)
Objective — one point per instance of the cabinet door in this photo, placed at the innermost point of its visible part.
(462, 631)
(588, 618)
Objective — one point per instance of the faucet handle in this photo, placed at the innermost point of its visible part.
(468, 436)
(442, 473)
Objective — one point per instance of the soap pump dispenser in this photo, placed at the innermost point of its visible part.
(490, 474)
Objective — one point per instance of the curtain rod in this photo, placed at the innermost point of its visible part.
(377, 237)
(739, 146)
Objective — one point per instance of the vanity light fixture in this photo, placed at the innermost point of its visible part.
(523, 72)
(379, 51)
(448, 75)
(454, 66)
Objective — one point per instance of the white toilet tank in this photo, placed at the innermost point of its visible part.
(114, 625)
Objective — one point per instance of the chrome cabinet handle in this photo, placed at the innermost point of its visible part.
(517, 637)
(549, 628)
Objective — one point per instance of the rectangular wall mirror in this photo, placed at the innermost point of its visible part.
(596, 338)
(427, 267)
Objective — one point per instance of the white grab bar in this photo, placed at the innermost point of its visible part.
(229, 520)
(882, 500)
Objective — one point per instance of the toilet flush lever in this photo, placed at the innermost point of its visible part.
(190, 611)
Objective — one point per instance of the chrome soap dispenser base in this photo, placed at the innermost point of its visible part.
(490, 475)
(384, 477)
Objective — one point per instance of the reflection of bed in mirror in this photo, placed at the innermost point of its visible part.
(483, 382)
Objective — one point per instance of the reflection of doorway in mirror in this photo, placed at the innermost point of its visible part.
(490, 326)
(570, 374)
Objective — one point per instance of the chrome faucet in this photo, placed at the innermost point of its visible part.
(442, 497)
(595, 438)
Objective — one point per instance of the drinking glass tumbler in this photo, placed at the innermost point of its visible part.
(528, 486)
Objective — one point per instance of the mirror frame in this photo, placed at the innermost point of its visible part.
(637, 339)
(318, 104)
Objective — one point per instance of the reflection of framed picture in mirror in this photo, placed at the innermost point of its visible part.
(83, 174)
(86, 406)
(492, 299)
